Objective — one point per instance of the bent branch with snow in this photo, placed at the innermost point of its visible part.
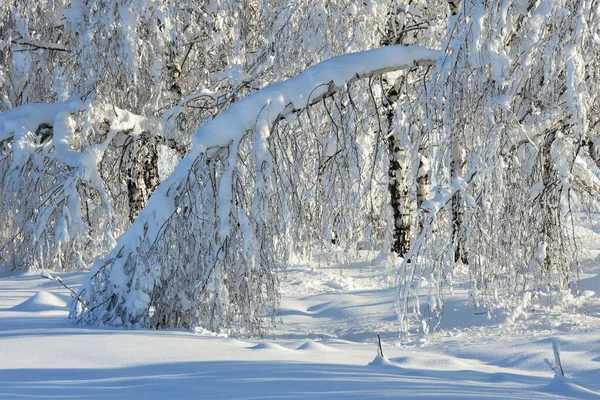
(200, 253)
(56, 211)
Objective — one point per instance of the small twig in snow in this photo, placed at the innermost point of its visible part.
(59, 280)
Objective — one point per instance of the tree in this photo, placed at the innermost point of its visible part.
(512, 130)
(175, 64)
(54, 203)
(161, 273)
(418, 23)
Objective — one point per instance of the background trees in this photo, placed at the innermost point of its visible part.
(473, 168)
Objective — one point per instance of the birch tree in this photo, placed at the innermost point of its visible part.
(161, 273)
(511, 121)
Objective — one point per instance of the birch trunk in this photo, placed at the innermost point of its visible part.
(457, 212)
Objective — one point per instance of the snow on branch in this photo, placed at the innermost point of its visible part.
(308, 88)
(41, 173)
(203, 251)
(53, 202)
(28, 117)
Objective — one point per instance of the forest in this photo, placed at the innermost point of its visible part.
(187, 152)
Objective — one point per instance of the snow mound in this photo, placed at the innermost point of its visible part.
(588, 293)
(380, 361)
(269, 346)
(314, 346)
(43, 301)
(564, 387)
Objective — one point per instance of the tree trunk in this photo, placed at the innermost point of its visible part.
(142, 172)
(422, 175)
(549, 201)
(457, 212)
(399, 190)
(398, 185)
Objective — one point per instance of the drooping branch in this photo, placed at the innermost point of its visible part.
(52, 191)
(309, 88)
(121, 287)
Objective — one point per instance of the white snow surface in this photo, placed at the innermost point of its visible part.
(324, 347)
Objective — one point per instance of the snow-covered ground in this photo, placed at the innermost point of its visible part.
(324, 347)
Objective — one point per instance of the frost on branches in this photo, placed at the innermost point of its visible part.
(43, 182)
(54, 158)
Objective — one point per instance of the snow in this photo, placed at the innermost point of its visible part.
(43, 301)
(29, 117)
(315, 346)
(271, 101)
(324, 347)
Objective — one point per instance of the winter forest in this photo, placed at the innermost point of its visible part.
(187, 152)
(321, 170)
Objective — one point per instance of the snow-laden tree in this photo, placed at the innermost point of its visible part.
(31, 51)
(181, 63)
(404, 98)
(510, 107)
(206, 249)
(54, 202)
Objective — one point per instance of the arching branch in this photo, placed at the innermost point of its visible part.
(129, 278)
